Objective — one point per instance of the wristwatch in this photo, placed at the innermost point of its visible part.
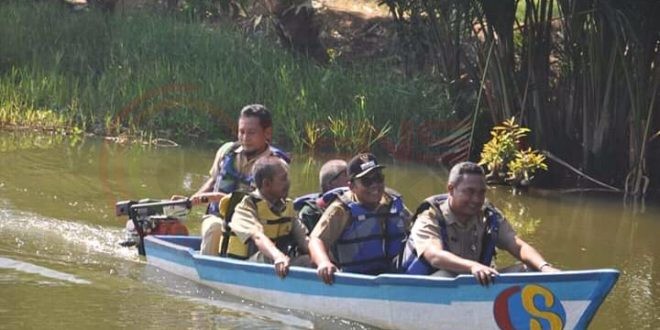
(543, 265)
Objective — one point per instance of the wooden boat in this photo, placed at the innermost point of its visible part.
(565, 300)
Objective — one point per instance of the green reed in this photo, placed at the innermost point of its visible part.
(582, 74)
(141, 72)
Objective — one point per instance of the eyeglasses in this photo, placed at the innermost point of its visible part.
(336, 176)
(371, 179)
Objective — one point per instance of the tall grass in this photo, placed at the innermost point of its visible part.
(582, 74)
(131, 72)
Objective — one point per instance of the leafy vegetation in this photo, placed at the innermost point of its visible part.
(582, 74)
(506, 160)
(14, 115)
(150, 75)
(524, 165)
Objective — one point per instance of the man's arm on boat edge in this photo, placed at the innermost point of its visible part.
(530, 256)
(268, 248)
(325, 269)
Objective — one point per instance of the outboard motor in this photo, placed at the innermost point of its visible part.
(152, 217)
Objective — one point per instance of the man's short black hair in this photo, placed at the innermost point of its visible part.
(457, 171)
(258, 111)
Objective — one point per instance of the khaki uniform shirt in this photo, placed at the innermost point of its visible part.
(336, 218)
(464, 239)
(241, 163)
(245, 223)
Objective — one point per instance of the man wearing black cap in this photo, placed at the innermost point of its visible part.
(364, 229)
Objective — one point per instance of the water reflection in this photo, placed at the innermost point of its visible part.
(16, 141)
(516, 211)
(284, 319)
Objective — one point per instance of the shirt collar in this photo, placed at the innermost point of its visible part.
(277, 207)
(384, 200)
(240, 149)
(450, 216)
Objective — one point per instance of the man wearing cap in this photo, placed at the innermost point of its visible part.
(363, 230)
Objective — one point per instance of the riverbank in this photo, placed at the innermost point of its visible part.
(150, 75)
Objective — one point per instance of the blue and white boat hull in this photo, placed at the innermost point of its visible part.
(565, 300)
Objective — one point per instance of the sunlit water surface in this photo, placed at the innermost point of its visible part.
(61, 266)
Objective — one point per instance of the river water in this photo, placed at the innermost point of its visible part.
(61, 266)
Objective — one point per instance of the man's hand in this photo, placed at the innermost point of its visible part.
(196, 199)
(326, 271)
(206, 197)
(280, 260)
(484, 274)
(282, 266)
(547, 268)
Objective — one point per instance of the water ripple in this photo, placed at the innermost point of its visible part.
(53, 237)
(26, 267)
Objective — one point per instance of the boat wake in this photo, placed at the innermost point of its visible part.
(26, 267)
(36, 245)
(27, 233)
(269, 315)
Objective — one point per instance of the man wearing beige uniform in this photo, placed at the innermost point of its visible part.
(265, 227)
(364, 230)
(457, 232)
(232, 170)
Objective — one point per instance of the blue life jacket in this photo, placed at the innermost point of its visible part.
(417, 265)
(310, 207)
(372, 242)
(229, 177)
(313, 198)
(303, 200)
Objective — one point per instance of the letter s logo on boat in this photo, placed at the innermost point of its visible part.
(530, 307)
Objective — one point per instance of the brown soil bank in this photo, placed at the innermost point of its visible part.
(323, 29)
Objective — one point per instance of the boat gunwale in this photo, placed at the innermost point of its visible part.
(605, 278)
